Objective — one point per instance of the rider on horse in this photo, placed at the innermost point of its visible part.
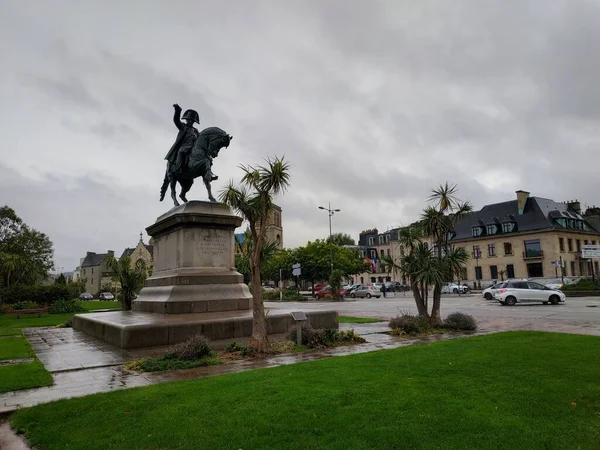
(186, 138)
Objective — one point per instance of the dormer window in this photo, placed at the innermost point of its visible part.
(451, 235)
(381, 239)
(387, 238)
(571, 223)
(508, 227)
(491, 229)
(476, 231)
(371, 240)
(562, 222)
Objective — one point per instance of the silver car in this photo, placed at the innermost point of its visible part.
(366, 291)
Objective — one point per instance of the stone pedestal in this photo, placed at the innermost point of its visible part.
(194, 265)
(194, 287)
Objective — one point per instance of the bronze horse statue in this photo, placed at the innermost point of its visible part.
(206, 147)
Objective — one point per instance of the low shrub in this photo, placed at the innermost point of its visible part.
(585, 284)
(285, 346)
(351, 337)
(195, 347)
(409, 323)
(66, 306)
(324, 337)
(287, 295)
(6, 309)
(460, 322)
(42, 295)
(234, 347)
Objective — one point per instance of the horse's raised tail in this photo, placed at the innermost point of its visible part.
(165, 185)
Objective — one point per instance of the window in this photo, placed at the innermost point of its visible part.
(561, 244)
(478, 273)
(92, 271)
(519, 285)
(533, 249)
(387, 238)
(570, 244)
(491, 229)
(476, 231)
(596, 267)
(476, 251)
(426, 245)
(572, 268)
(562, 222)
(538, 286)
(585, 242)
(381, 239)
(462, 250)
(508, 227)
(371, 240)
(362, 254)
(373, 254)
(571, 223)
(84, 271)
(535, 270)
(389, 252)
(507, 249)
(510, 271)
(578, 245)
(593, 242)
(492, 250)
(494, 272)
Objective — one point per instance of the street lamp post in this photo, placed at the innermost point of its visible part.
(331, 212)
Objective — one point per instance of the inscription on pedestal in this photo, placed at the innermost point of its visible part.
(213, 245)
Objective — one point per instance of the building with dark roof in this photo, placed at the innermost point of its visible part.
(94, 271)
(527, 237)
(142, 251)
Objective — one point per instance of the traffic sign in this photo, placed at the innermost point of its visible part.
(296, 266)
(590, 251)
(557, 263)
(296, 272)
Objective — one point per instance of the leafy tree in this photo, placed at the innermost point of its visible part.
(315, 260)
(61, 279)
(25, 253)
(340, 239)
(254, 201)
(335, 281)
(130, 277)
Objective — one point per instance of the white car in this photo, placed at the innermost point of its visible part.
(453, 288)
(512, 292)
(488, 293)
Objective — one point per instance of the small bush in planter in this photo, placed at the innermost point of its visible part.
(460, 322)
(234, 347)
(409, 324)
(195, 347)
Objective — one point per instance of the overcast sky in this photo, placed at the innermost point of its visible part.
(373, 103)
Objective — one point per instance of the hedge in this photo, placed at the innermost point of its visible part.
(42, 295)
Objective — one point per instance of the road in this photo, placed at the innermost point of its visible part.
(574, 310)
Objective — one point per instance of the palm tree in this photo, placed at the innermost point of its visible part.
(254, 201)
(130, 276)
(438, 222)
(244, 248)
(9, 264)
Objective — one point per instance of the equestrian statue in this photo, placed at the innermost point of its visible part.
(192, 154)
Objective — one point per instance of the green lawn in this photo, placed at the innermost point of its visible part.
(15, 348)
(24, 376)
(518, 390)
(10, 324)
(350, 319)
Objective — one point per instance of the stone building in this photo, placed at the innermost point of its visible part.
(142, 251)
(519, 238)
(94, 271)
(522, 238)
(275, 227)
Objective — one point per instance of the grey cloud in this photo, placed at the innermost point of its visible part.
(69, 91)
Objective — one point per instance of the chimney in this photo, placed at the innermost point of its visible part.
(90, 254)
(593, 212)
(575, 206)
(111, 252)
(522, 197)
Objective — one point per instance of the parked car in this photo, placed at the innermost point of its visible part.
(86, 296)
(365, 291)
(512, 292)
(317, 287)
(453, 288)
(106, 296)
(395, 286)
(268, 288)
(353, 288)
(488, 293)
(327, 291)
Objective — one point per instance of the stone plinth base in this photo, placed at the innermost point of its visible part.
(137, 329)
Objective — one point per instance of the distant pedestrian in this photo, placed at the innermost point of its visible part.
(383, 290)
